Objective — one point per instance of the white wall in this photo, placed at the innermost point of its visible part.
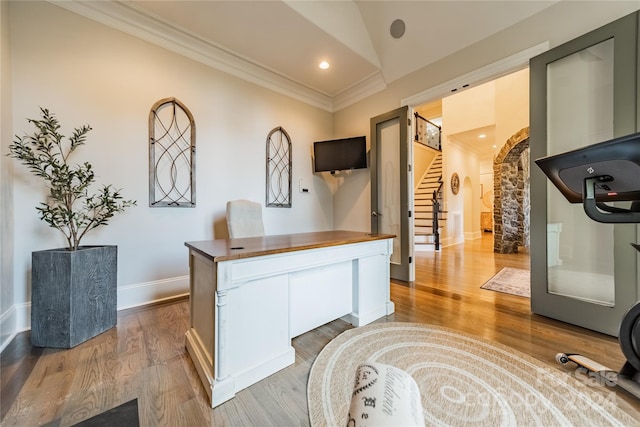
(511, 106)
(471, 109)
(423, 156)
(463, 208)
(486, 186)
(85, 72)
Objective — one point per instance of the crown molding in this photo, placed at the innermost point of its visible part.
(129, 20)
(359, 91)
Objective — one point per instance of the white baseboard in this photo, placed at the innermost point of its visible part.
(424, 247)
(8, 328)
(450, 241)
(13, 321)
(140, 294)
(18, 318)
(472, 235)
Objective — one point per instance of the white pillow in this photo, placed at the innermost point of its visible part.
(384, 396)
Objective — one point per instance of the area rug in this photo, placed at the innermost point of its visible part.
(463, 380)
(512, 281)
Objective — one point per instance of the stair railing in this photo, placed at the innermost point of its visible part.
(436, 214)
(427, 132)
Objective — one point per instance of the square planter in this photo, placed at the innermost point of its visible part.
(73, 295)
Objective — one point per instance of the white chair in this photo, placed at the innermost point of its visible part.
(244, 219)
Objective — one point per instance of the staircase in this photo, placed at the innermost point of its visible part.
(424, 237)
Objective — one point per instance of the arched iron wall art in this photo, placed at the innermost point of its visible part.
(172, 151)
(278, 169)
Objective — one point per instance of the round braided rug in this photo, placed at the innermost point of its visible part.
(463, 380)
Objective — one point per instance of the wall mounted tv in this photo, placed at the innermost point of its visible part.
(340, 154)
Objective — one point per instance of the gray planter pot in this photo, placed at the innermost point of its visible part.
(73, 295)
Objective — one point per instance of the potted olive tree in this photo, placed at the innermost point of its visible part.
(73, 289)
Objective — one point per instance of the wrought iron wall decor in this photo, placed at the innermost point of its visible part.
(278, 192)
(172, 151)
(427, 132)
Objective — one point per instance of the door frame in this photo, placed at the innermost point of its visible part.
(508, 65)
(497, 69)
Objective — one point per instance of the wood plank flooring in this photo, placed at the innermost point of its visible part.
(144, 356)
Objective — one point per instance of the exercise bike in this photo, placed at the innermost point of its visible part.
(605, 172)
(627, 378)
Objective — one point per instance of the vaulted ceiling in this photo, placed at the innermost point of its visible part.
(279, 44)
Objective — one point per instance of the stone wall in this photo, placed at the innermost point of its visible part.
(511, 194)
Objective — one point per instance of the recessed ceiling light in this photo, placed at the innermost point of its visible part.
(324, 65)
(494, 146)
(482, 135)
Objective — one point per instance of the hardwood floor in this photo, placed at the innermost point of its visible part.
(144, 356)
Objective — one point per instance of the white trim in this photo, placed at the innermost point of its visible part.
(450, 241)
(7, 341)
(8, 320)
(140, 294)
(130, 20)
(23, 316)
(7, 327)
(472, 235)
(13, 321)
(361, 90)
(487, 73)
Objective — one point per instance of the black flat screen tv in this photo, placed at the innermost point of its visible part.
(340, 154)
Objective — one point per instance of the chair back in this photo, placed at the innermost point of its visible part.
(244, 219)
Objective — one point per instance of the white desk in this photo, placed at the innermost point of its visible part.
(249, 297)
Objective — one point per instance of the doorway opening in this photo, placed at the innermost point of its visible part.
(483, 164)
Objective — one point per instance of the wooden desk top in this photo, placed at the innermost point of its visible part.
(230, 249)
